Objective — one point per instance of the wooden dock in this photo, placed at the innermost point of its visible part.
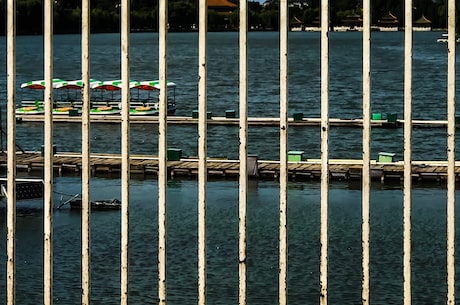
(252, 121)
(309, 169)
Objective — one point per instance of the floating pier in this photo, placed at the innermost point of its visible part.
(25, 188)
(306, 169)
(252, 121)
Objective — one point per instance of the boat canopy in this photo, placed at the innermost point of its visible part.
(152, 85)
(77, 84)
(112, 85)
(40, 84)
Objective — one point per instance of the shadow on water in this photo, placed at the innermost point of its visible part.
(428, 216)
(24, 208)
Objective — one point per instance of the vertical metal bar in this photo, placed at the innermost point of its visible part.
(324, 148)
(243, 179)
(451, 54)
(11, 149)
(85, 174)
(284, 27)
(366, 182)
(202, 149)
(162, 151)
(48, 153)
(125, 167)
(407, 150)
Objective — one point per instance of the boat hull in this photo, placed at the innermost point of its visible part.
(22, 111)
(97, 205)
(104, 112)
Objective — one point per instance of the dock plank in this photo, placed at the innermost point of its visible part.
(220, 120)
(147, 165)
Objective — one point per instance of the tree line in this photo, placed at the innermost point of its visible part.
(183, 14)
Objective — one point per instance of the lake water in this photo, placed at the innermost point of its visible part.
(429, 84)
(428, 262)
(429, 208)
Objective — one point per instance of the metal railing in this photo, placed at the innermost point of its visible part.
(243, 154)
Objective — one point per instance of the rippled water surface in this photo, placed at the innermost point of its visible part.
(429, 208)
(429, 89)
(429, 212)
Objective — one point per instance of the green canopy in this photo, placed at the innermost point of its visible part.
(152, 85)
(112, 85)
(40, 84)
(77, 84)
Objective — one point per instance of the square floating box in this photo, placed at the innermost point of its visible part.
(298, 116)
(295, 155)
(376, 116)
(195, 114)
(386, 157)
(174, 154)
(230, 114)
(74, 112)
(392, 117)
(252, 166)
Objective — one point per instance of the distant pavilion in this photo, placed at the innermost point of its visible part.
(353, 22)
(388, 23)
(422, 24)
(223, 8)
(295, 24)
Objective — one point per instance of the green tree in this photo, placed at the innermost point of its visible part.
(143, 20)
(29, 18)
(182, 15)
(66, 20)
(105, 14)
(104, 21)
(254, 20)
(309, 15)
(2, 17)
(269, 15)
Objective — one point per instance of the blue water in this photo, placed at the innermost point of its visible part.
(428, 229)
(429, 208)
(429, 90)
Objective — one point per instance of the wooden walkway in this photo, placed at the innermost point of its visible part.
(266, 121)
(142, 165)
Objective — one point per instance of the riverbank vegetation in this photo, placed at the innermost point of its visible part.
(183, 14)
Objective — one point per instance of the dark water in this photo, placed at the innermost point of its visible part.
(429, 208)
(428, 263)
(429, 90)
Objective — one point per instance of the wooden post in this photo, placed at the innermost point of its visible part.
(11, 148)
(324, 149)
(243, 151)
(86, 167)
(202, 149)
(162, 151)
(366, 176)
(284, 28)
(48, 154)
(451, 71)
(407, 151)
(125, 173)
